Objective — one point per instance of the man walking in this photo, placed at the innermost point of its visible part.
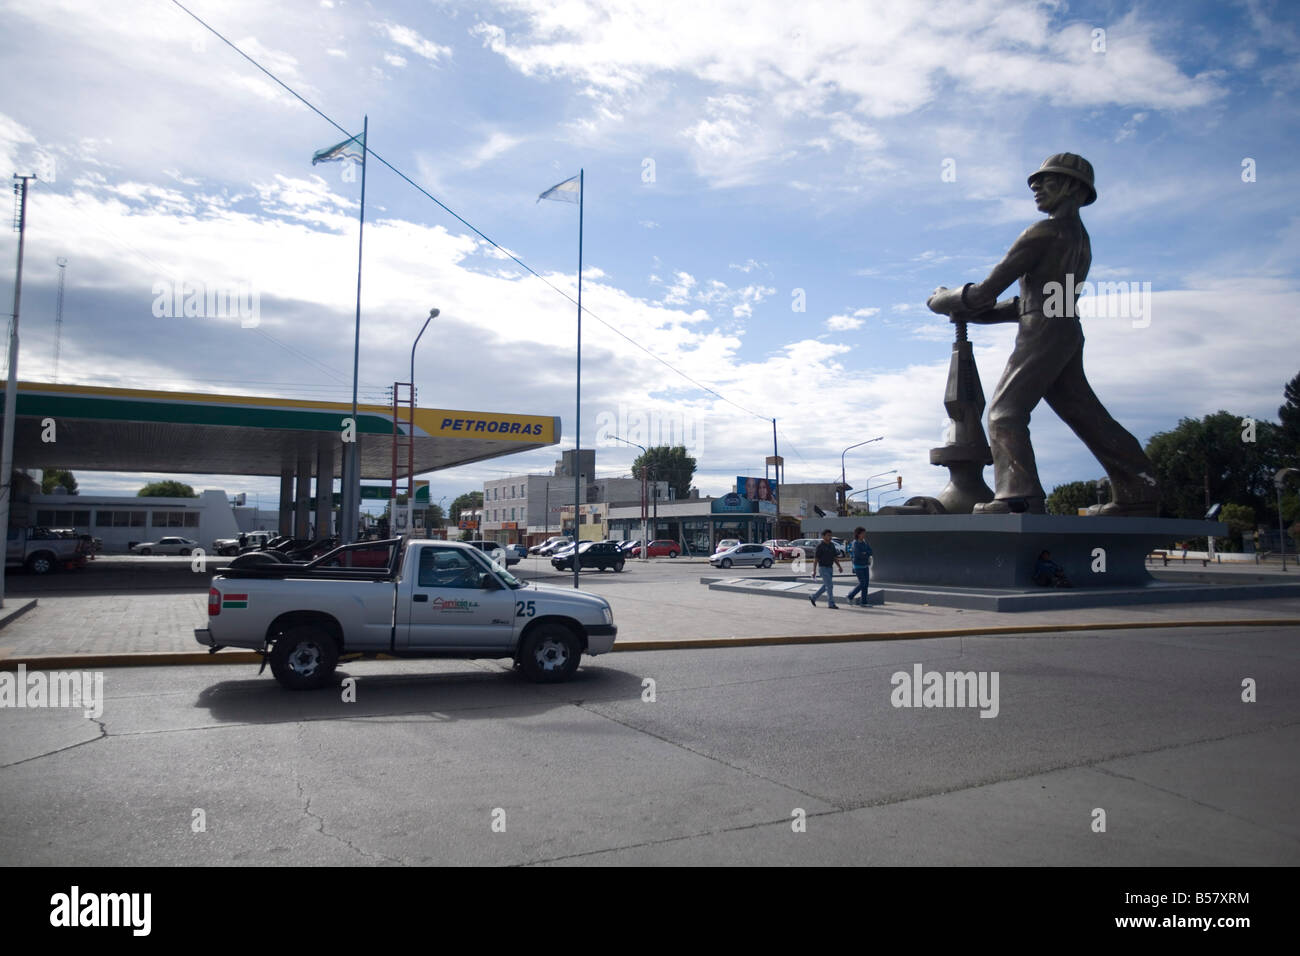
(861, 558)
(826, 555)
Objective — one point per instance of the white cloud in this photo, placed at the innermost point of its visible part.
(404, 36)
(497, 143)
(393, 59)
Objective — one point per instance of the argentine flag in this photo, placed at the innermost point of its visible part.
(566, 191)
(354, 149)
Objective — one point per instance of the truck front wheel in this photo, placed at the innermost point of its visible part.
(304, 657)
(549, 654)
(40, 563)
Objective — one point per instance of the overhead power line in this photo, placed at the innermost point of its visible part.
(459, 218)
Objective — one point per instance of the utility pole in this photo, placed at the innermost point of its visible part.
(62, 263)
(11, 385)
(645, 537)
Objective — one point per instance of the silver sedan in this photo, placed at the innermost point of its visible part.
(754, 555)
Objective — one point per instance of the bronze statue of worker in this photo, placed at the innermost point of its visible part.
(1052, 255)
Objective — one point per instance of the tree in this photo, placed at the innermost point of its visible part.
(1067, 499)
(469, 501)
(167, 489)
(670, 464)
(1240, 520)
(1289, 416)
(52, 477)
(1210, 460)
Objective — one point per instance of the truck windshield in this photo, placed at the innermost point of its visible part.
(511, 581)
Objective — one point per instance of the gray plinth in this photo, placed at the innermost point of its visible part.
(1001, 550)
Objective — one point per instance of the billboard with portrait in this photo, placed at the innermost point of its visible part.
(755, 489)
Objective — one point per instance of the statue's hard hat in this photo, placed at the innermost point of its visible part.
(1069, 164)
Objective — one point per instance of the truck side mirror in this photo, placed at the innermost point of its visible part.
(487, 582)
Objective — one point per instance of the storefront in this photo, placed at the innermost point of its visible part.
(698, 524)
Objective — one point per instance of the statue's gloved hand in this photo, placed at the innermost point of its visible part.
(944, 300)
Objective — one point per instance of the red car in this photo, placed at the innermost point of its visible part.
(659, 549)
(781, 548)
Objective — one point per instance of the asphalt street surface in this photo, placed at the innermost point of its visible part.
(446, 762)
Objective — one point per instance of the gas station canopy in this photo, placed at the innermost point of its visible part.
(89, 428)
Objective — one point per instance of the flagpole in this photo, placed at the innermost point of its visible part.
(577, 415)
(351, 496)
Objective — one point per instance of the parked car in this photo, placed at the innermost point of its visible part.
(591, 554)
(659, 549)
(726, 544)
(495, 552)
(518, 550)
(549, 546)
(779, 547)
(431, 599)
(169, 545)
(629, 545)
(809, 545)
(754, 555)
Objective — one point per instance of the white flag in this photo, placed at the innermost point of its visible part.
(566, 191)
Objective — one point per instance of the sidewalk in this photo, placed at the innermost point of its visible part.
(665, 614)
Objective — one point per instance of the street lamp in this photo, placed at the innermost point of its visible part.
(843, 499)
(645, 536)
(410, 478)
(1278, 480)
(883, 493)
(892, 471)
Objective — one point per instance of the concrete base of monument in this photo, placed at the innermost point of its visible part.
(1000, 551)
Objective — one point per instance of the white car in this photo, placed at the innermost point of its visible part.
(754, 555)
(495, 552)
(166, 546)
(726, 544)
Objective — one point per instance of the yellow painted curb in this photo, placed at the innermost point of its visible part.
(190, 658)
(710, 642)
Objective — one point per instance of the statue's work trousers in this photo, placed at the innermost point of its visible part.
(1047, 363)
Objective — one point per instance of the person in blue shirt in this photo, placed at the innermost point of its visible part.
(860, 552)
(1049, 574)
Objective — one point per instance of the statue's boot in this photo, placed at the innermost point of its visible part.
(1009, 506)
(1124, 509)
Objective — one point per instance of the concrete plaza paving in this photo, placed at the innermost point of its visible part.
(660, 602)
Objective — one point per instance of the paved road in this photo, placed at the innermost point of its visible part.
(1148, 726)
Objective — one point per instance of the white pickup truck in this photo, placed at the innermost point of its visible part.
(427, 599)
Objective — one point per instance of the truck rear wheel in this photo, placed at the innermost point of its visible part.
(549, 654)
(304, 657)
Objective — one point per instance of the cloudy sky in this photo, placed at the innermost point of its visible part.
(773, 190)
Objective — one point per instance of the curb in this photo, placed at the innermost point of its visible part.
(193, 658)
(14, 613)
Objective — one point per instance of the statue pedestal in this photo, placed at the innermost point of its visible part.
(1000, 551)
